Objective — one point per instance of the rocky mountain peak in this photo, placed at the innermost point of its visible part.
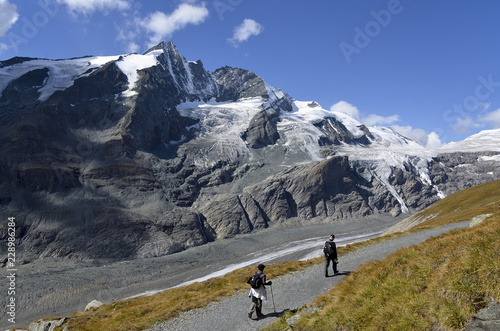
(236, 83)
(168, 47)
(185, 80)
(148, 154)
(172, 53)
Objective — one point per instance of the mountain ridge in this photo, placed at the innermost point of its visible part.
(146, 155)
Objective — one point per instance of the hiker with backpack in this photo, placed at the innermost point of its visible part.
(330, 251)
(258, 291)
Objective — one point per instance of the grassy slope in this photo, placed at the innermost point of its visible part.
(142, 312)
(139, 313)
(440, 283)
(464, 205)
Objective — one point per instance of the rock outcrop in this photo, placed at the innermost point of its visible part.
(93, 305)
(48, 325)
(262, 130)
(487, 319)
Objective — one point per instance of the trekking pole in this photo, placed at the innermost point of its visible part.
(272, 296)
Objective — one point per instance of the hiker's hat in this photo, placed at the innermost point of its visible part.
(261, 266)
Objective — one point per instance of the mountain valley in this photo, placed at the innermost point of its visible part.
(139, 156)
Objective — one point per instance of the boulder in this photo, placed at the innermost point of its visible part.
(93, 305)
(487, 319)
(48, 325)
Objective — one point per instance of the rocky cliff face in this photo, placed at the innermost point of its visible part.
(114, 158)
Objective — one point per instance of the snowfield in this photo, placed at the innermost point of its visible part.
(218, 133)
(62, 73)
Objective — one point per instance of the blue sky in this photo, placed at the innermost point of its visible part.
(428, 68)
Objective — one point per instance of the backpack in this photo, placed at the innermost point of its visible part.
(255, 281)
(327, 249)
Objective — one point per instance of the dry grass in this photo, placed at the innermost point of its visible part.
(463, 205)
(142, 312)
(438, 284)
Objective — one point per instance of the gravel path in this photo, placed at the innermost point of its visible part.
(59, 286)
(290, 291)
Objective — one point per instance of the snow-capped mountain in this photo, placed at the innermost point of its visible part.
(145, 155)
(487, 140)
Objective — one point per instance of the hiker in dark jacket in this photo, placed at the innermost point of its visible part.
(330, 250)
(258, 294)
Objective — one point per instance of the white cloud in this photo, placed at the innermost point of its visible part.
(491, 119)
(244, 31)
(433, 140)
(3, 47)
(485, 120)
(128, 35)
(370, 120)
(89, 6)
(162, 25)
(8, 16)
(429, 140)
(373, 119)
(133, 47)
(418, 135)
(346, 108)
(464, 125)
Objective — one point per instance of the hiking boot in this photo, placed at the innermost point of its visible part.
(259, 316)
(249, 315)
